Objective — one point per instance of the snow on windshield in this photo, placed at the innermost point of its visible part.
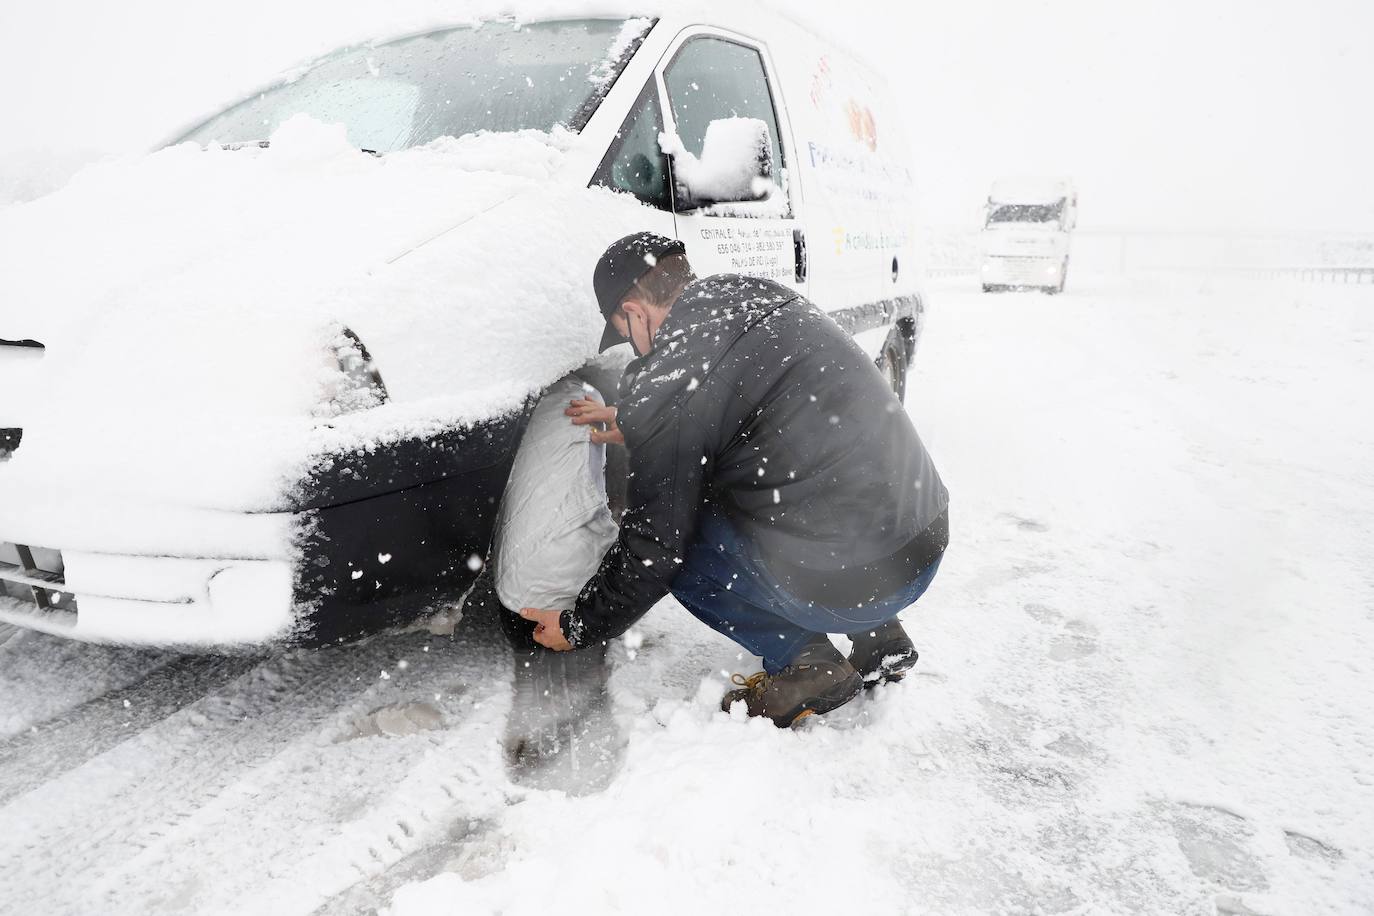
(1025, 213)
(499, 76)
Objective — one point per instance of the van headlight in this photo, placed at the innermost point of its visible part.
(351, 381)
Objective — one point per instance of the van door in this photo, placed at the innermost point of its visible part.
(634, 162)
(711, 76)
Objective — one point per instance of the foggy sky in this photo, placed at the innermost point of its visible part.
(1214, 113)
(1208, 114)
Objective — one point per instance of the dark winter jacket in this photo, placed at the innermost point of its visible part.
(754, 399)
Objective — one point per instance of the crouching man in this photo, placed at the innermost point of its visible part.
(777, 488)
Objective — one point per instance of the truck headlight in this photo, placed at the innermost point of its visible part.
(352, 381)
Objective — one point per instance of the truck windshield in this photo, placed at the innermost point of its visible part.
(496, 77)
(1025, 213)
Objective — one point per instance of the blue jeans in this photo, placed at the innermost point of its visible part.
(725, 584)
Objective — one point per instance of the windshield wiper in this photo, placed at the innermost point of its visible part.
(264, 144)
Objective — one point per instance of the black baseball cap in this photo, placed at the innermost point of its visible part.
(624, 262)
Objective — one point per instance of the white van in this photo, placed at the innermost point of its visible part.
(266, 384)
(1027, 224)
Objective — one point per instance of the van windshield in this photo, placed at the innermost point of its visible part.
(1025, 213)
(498, 76)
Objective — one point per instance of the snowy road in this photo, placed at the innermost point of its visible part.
(1146, 684)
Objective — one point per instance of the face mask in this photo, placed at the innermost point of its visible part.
(634, 346)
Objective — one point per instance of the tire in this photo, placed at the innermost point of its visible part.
(482, 608)
(518, 631)
(893, 364)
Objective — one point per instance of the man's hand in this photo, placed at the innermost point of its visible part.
(548, 633)
(589, 411)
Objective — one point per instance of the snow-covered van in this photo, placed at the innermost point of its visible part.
(266, 384)
(1026, 229)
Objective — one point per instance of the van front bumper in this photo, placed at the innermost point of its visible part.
(1022, 271)
(372, 538)
(146, 600)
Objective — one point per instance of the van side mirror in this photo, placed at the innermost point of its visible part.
(736, 164)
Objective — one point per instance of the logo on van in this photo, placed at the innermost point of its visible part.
(857, 116)
(868, 240)
(862, 124)
(821, 84)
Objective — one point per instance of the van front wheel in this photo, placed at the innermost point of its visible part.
(893, 365)
(481, 608)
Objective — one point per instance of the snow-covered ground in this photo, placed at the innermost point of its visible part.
(1145, 683)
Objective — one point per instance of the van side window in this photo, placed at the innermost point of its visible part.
(634, 163)
(712, 78)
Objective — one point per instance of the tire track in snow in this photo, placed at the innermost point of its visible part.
(43, 677)
(456, 852)
(70, 739)
(561, 733)
(385, 801)
(71, 836)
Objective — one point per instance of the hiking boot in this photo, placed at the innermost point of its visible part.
(817, 681)
(884, 653)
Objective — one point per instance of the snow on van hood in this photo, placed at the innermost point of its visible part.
(186, 300)
(139, 233)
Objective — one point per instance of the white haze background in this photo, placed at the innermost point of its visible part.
(1222, 114)
(1146, 675)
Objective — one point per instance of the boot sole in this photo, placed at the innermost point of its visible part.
(832, 699)
(893, 674)
(886, 677)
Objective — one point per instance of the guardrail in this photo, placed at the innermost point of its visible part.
(1318, 274)
(1335, 257)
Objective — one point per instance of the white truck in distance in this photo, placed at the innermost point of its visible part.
(1025, 239)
